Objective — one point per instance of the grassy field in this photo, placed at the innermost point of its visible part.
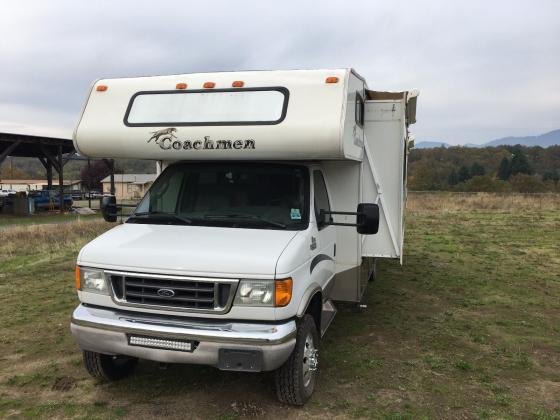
(469, 327)
(44, 218)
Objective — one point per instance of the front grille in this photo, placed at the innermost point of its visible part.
(172, 292)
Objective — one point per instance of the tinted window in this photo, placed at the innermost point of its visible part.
(224, 194)
(321, 196)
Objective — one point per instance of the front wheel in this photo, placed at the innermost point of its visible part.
(295, 380)
(109, 368)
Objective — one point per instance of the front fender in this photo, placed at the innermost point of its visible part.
(306, 298)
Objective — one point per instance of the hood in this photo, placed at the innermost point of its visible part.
(187, 250)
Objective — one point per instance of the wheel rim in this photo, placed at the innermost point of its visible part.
(310, 359)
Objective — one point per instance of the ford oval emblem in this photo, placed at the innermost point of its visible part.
(166, 292)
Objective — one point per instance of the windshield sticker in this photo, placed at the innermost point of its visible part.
(167, 140)
(295, 214)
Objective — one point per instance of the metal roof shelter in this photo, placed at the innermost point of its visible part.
(51, 152)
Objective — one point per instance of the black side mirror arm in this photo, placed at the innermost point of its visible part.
(323, 213)
(367, 218)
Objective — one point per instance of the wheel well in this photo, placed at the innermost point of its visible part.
(314, 308)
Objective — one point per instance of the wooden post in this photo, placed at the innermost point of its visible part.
(111, 165)
(112, 177)
(60, 179)
(49, 174)
(8, 150)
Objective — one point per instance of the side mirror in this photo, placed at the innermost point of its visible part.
(367, 221)
(109, 208)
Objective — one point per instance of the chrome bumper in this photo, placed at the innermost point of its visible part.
(107, 331)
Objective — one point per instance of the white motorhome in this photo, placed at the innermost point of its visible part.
(278, 192)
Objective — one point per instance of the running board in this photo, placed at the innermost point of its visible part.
(327, 315)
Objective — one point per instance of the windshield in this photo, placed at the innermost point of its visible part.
(242, 195)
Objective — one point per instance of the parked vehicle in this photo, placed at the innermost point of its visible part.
(49, 200)
(7, 193)
(77, 194)
(95, 194)
(280, 190)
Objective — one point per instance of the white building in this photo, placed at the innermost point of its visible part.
(129, 186)
(37, 184)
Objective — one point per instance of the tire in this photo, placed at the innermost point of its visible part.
(108, 368)
(295, 380)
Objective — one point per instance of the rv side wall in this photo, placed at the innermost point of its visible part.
(383, 171)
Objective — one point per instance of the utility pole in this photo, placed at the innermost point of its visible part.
(89, 182)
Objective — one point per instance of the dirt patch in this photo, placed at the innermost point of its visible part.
(548, 392)
(64, 383)
(388, 397)
(247, 409)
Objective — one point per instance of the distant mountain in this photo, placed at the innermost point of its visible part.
(551, 138)
(430, 144)
(544, 140)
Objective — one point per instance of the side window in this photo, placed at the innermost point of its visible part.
(359, 111)
(321, 197)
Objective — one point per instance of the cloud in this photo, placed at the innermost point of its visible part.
(485, 69)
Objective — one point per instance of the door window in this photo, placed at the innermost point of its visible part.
(321, 198)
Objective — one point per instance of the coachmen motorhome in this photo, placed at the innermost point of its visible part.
(278, 192)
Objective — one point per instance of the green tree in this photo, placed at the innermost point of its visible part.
(477, 169)
(520, 163)
(504, 171)
(484, 183)
(453, 178)
(464, 174)
(551, 175)
(527, 184)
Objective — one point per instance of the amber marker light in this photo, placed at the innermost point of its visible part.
(101, 88)
(331, 79)
(209, 85)
(181, 86)
(77, 281)
(283, 292)
(238, 83)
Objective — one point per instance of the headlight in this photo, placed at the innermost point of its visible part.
(255, 293)
(264, 292)
(91, 280)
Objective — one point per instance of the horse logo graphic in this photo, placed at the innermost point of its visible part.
(165, 133)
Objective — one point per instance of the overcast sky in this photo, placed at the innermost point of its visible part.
(485, 69)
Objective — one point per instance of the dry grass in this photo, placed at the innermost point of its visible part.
(34, 239)
(457, 201)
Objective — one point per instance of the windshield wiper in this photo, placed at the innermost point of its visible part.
(161, 214)
(250, 217)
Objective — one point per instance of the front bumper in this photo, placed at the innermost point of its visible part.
(224, 344)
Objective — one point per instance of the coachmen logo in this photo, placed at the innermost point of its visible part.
(167, 140)
(166, 292)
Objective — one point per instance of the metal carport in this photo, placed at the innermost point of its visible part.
(52, 153)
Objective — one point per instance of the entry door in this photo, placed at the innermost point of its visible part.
(323, 239)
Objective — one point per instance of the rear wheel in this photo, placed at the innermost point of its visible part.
(109, 368)
(295, 380)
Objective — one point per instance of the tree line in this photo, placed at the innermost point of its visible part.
(492, 169)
